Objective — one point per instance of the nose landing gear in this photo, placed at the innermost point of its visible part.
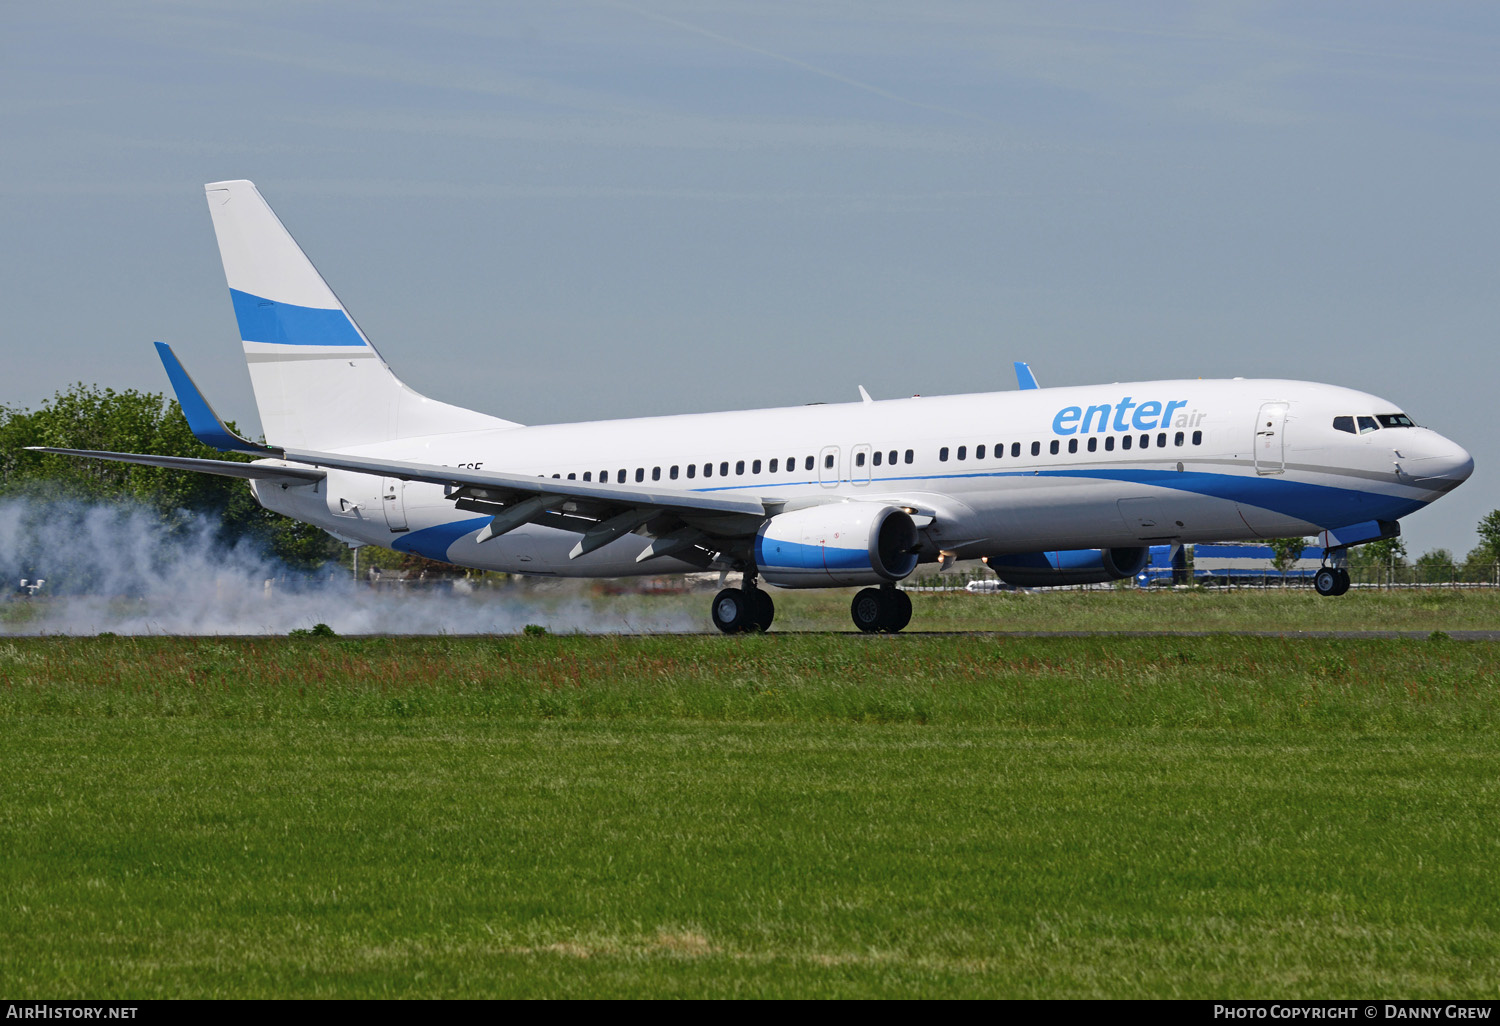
(1332, 581)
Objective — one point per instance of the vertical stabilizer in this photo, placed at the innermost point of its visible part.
(319, 384)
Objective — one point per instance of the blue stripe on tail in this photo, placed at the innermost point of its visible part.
(265, 320)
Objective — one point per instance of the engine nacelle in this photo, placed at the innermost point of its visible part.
(1072, 566)
(840, 543)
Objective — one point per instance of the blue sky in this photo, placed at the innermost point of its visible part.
(575, 210)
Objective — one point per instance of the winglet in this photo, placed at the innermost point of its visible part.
(202, 420)
(1024, 377)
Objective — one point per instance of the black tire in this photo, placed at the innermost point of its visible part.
(868, 610)
(1326, 581)
(898, 610)
(731, 611)
(1344, 583)
(765, 610)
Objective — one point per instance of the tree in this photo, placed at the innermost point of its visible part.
(1383, 554)
(1435, 566)
(87, 417)
(1285, 552)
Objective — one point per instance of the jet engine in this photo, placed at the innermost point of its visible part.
(1072, 566)
(838, 543)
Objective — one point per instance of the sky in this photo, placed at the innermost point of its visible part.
(580, 210)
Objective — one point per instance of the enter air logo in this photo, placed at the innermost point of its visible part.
(1125, 415)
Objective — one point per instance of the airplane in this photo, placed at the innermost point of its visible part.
(1048, 486)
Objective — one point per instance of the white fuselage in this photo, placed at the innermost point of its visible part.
(1004, 472)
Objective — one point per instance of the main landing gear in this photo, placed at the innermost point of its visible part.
(883, 610)
(743, 610)
(1331, 581)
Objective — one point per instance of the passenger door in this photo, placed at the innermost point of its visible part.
(1270, 439)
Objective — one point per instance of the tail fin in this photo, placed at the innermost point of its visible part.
(319, 384)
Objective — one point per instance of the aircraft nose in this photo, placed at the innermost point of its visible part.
(1449, 462)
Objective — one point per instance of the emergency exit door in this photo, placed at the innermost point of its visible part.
(393, 500)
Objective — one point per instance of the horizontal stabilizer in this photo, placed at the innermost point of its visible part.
(259, 471)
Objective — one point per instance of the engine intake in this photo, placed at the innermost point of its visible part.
(840, 543)
(1070, 566)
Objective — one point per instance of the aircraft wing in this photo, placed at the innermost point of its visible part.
(682, 523)
(224, 468)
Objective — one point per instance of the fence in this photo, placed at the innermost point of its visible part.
(1430, 575)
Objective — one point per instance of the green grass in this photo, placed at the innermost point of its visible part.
(766, 816)
(1207, 609)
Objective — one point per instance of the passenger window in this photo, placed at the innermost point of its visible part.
(1197, 437)
(875, 459)
(1344, 424)
(1055, 446)
(708, 470)
(910, 455)
(640, 474)
(1145, 441)
(828, 461)
(739, 467)
(1367, 424)
(1093, 443)
(943, 454)
(1036, 448)
(724, 469)
(1015, 448)
(1072, 445)
(588, 475)
(1127, 441)
(859, 459)
(999, 450)
(810, 463)
(1109, 443)
(673, 472)
(572, 477)
(620, 477)
(1161, 440)
(963, 452)
(1178, 439)
(774, 465)
(979, 452)
(557, 475)
(755, 467)
(656, 473)
(692, 470)
(893, 457)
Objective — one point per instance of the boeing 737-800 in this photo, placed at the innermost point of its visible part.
(1049, 486)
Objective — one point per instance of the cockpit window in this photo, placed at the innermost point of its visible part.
(1395, 420)
(1344, 424)
(1367, 424)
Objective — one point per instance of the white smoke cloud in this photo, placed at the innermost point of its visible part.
(118, 569)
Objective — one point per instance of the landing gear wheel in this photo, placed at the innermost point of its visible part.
(1326, 581)
(898, 615)
(765, 610)
(883, 610)
(731, 610)
(1342, 588)
(868, 610)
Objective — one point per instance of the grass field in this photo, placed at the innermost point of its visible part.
(767, 816)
